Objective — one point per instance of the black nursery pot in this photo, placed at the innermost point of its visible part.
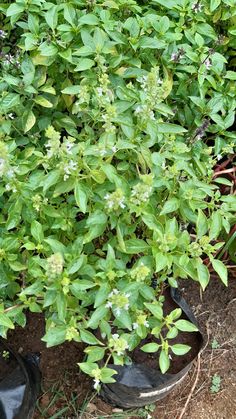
(19, 384)
(137, 384)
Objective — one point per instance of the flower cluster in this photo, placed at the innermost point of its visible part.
(118, 344)
(54, 266)
(140, 193)
(115, 200)
(140, 273)
(118, 301)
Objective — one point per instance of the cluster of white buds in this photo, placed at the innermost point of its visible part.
(3, 34)
(55, 265)
(38, 201)
(118, 344)
(141, 320)
(115, 200)
(197, 7)
(140, 193)
(69, 168)
(118, 301)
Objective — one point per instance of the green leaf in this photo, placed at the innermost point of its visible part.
(29, 120)
(221, 269)
(81, 285)
(6, 322)
(37, 231)
(42, 101)
(55, 336)
(185, 326)
(170, 206)
(150, 347)
(166, 128)
(231, 75)
(107, 374)
(161, 261)
(71, 90)
(214, 4)
(102, 295)
(134, 246)
(85, 64)
(81, 197)
(202, 224)
(88, 367)
(164, 361)
(97, 315)
(180, 349)
(153, 43)
(203, 274)
(89, 19)
(51, 17)
(94, 353)
(215, 225)
(15, 9)
(89, 338)
(155, 309)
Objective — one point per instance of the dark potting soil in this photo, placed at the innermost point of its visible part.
(177, 363)
(7, 363)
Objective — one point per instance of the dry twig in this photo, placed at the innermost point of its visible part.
(193, 387)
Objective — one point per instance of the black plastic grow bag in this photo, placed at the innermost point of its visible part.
(19, 384)
(137, 384)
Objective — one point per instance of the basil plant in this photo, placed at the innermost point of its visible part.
(114, 115)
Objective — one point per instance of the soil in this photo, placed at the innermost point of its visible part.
(7, 363)
(67, 394)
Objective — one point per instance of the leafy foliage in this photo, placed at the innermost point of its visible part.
(113, 115)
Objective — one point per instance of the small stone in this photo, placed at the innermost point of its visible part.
(91, 408)
(117, 410)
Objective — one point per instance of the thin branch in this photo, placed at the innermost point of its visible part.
(193, 387)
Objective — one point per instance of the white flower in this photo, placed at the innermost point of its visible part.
(159, 81)
(69, 168)
(99, 91)
(96, 384)
(11, 115)
(114, 149)
(146, 324)
(117, 311)
(3, 34)
(108, 304)
(115, 336)
(8, 187)
(197, 7)
(126, 307)
(219, 157)
(135, 326)
(138, 110)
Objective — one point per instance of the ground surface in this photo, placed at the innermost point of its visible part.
(67, 393)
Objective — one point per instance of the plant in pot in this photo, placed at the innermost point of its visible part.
(113, 117)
